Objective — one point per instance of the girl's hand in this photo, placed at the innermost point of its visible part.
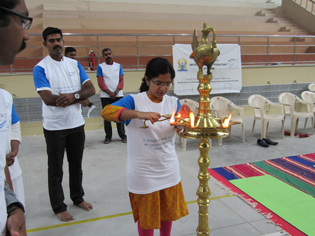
(152, 116)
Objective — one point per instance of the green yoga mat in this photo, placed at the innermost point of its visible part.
(291, 204)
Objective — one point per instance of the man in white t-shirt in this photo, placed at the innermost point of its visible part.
(14, 23)
(110, 78)
(62, 84)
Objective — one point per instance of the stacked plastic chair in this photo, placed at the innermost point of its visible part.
(289, 101)
(259, 102)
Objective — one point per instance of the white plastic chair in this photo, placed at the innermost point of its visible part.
(289, 100)
(193, 106)
(311, 87)
(258, 102)
(309, 97)
(222, 108)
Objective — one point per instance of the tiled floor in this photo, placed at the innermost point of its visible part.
(105, 186)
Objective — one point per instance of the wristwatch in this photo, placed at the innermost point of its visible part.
(13, 207)
(77, 96)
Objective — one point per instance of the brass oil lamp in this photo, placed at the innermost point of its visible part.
(204, 127)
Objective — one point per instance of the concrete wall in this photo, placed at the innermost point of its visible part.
(299, 14)
(253, 78)
(22, 86)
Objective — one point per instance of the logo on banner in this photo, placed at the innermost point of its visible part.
(182, 64)
(232, 62)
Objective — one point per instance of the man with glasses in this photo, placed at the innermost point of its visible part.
(14, 22)
(62, 84)
(14, 42)
(110, 78)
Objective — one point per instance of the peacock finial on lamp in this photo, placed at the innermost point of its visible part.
(204, 53)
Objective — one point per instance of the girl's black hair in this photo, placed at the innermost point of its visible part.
(154, 68)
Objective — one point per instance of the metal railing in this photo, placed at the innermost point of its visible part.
(133, 51)
(307, 4)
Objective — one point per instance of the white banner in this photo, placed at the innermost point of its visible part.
(226, 71)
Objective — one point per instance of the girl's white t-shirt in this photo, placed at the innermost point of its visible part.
(152, 163)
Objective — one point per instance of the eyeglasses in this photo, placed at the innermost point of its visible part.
(27, 21)
(159, 83)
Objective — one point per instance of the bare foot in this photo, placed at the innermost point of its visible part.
(86, 206)
(65, 216)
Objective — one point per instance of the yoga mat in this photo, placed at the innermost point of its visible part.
(294, 206)
(281, 189)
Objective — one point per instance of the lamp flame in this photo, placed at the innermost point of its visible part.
(172, 119)
(192, 119)
(226, 121)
